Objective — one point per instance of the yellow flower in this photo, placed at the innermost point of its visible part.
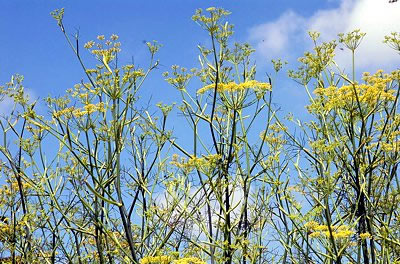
(364, 236)
(90, 108)
(139, 73)
(321, 228)
(315, 234)
(311, 225)
(234, 87)
(78, 113)
(114, 37)
(343, 233)
(89, 44)
(376, 89)
(190, 260)
(156, 260)
(101, 107)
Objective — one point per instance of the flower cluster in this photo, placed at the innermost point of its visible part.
(8, 230)
(352, 39)
(79, 112)
(156, 260)
(179, 76)
(189, 260)
(234, 87)
(8, 191)
(313, 63)
(210, 22)
(375, 89)
(105, 51)
(168, 259)
(274, 136)
(364, 236)
(317, 230)
(393, 40)
(204, 164)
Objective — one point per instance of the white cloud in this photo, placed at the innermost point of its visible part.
(376, 18)
(330, 22)
(273, 38)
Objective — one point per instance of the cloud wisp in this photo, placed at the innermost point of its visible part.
(287, 36)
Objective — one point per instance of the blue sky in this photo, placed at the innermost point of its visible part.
(34, 46)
